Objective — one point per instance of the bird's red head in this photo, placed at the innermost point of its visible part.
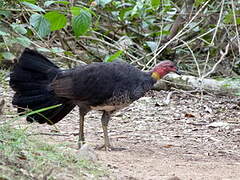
(164, 68)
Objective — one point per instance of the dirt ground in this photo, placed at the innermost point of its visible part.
(191, 138)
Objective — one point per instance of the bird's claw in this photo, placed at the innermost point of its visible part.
(80, 144)
(105, 147)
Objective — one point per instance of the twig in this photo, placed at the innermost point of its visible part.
(63, 42)
(179, 34)
(218, 23)
(187, 7)
(2, 102)
(223, 54)
(107, 43)
(168, 98)
(49, 172)
(194, 57)
(235, 23)
(198, 37)
(54, 134)
(206, 62)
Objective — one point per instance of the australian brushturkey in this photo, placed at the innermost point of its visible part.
(99, 86)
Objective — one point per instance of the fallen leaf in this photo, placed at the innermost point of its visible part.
(188, 115)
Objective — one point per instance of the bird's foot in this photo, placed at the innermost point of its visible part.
(105, 147)
(80, 144)
(110, 148)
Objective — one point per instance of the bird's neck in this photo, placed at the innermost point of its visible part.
(155, 75)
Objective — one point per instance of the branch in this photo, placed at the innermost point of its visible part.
(179, 34)
(223, 54)
(181, 18)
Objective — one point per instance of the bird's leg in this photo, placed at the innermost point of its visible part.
(81, 139)
(105, 119)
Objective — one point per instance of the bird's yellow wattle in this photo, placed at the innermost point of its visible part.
(156, 75)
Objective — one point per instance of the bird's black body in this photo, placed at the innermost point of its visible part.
(100, 86)
(103, 84)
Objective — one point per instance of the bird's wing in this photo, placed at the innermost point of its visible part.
(62, 85)
(93, 84)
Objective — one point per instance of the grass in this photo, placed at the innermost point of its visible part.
(32, 157)
(28, 157)
(3, 77)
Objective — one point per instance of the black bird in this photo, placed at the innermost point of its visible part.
(106, 87)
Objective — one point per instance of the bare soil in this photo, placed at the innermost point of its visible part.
(193, 137)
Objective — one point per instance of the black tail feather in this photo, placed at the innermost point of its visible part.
(31, 78)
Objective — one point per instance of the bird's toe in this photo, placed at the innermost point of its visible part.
(80, 144)
(105, 147)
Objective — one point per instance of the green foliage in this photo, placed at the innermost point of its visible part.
(229, 18)
(113, 57)
(10, 41)
(148, 23)
(44, 22)
(57, 20)
(75, 10)
(35, 156)
(29, 1)
(40, 24)
(42, 110)
(19, 28)
(24, 41)
(2, 33)
(49, 3)
(152, 45)
(81, 23)
(155, 4)
(103, 3)
(33, 6)
(199, 2)
(8, 55)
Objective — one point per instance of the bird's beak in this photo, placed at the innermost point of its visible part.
(178, 71)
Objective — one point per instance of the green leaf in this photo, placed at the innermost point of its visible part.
(152, 45)
(8, 56)
(24, 41)
(5, 13)
(155, 4)
(2, 33)
(33, 6)
(199, 2)
(41, 49)
(49, 3)
(75, 10)
(42, 110)
(238, 21)
(102, 3)
(30, 1)
(125, 12)
(57, 50)
(57, 20)
(229, 19)
(40, 24)
(19, 28)
(81, 23)
(113, 57)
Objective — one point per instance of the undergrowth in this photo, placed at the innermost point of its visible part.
(3, 77)
(26, 157)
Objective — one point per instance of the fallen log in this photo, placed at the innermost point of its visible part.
(224, 86)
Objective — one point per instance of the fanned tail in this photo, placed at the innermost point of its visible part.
(30, 79)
